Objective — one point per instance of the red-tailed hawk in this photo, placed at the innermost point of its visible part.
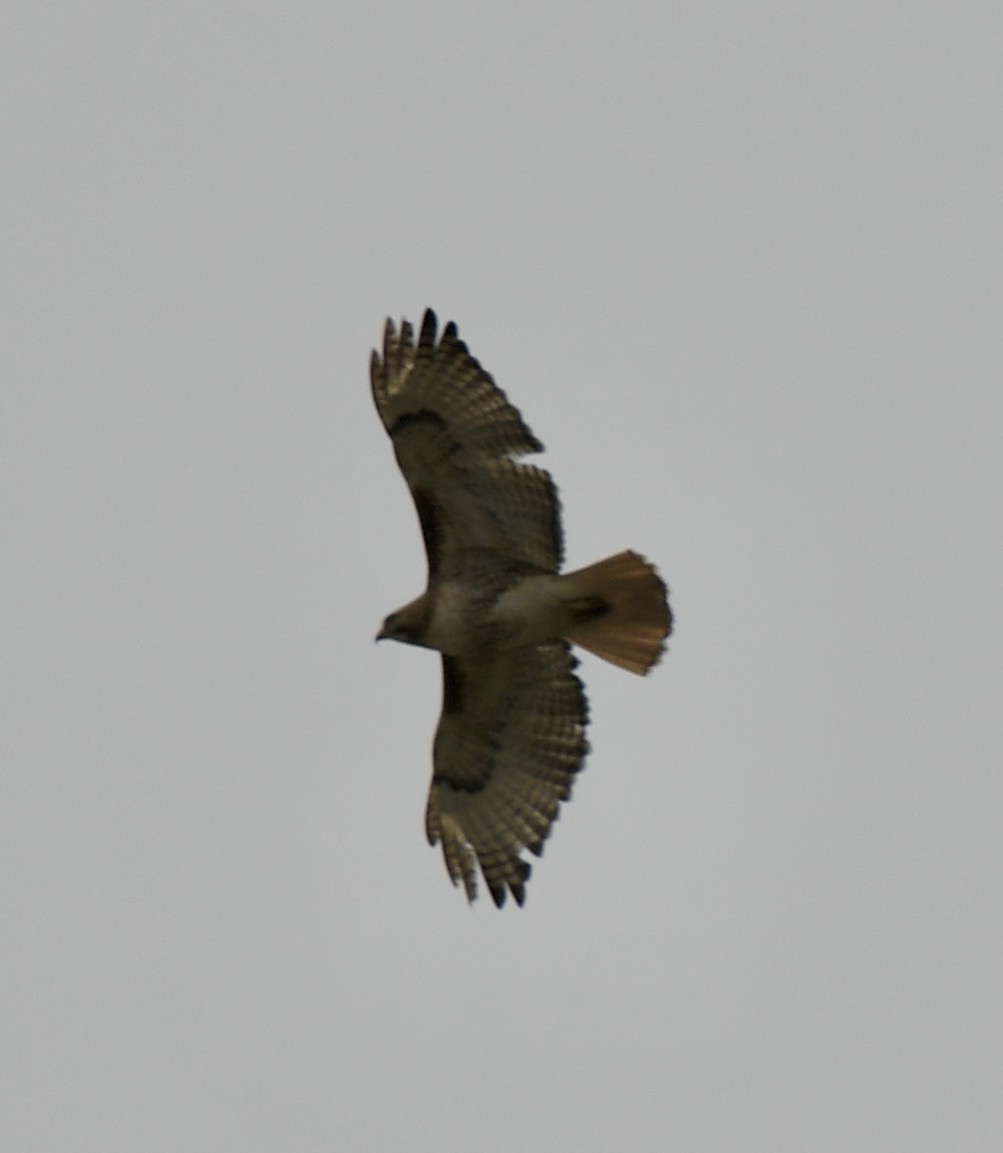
(512, 732)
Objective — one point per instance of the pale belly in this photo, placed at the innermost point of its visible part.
(530, 612)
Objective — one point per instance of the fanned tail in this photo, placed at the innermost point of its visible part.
(621, 611)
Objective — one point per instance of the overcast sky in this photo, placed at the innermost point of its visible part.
(739, 265)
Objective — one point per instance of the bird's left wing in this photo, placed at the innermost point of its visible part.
(510, 741)
(457, 440)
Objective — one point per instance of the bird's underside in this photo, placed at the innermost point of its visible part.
(511, 736)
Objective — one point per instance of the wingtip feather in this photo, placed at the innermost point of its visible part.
(429, 325)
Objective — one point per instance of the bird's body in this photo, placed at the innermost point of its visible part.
(512, 732)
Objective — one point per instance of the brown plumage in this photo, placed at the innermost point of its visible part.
(512, 732)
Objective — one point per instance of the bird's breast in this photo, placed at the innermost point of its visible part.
(452, 627)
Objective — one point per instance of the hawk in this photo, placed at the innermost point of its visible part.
(511, 736)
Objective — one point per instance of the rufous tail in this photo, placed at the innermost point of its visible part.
(621, 611)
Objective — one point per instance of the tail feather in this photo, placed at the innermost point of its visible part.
(621, 611)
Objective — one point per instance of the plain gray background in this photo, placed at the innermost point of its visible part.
(740, 267)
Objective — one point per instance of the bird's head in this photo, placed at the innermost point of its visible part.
(391, 629)
(408, 624)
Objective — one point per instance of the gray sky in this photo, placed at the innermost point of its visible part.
(740, 267)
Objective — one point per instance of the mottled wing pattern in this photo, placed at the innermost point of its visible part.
(509, 743)
(457, 440)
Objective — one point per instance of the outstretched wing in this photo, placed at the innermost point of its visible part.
(457, 440)
(510, 741)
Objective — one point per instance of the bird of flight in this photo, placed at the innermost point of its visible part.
(512, 732)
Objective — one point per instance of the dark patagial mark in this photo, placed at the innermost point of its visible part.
(431, 527)
(452, 685)
(454, 696)
(434, 427)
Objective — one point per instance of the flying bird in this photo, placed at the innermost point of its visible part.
(511, 736)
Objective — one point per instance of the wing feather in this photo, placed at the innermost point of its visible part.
(510, 741)
(457, 440)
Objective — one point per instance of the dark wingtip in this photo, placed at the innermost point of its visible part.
(519, 887)
(429, 324)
